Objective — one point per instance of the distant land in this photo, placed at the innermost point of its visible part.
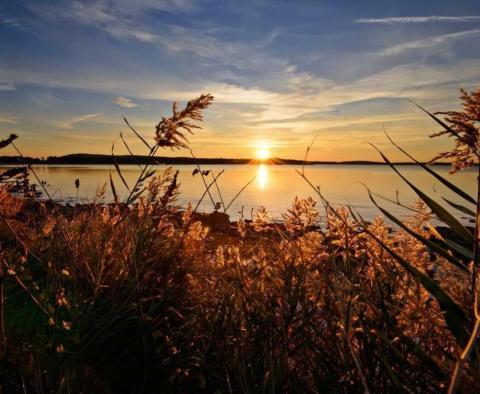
(87, 158)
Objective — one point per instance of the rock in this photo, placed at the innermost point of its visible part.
(215, 221)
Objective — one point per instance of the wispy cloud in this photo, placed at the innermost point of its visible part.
(119, 18)
(128, 7)
(126, 22)
(309, 105)
(7, 86)
(108, 19)
(6, 21)
(421, 19)
(70, 123)
(301, 93)
(9, 118)
(125, 102)
(429, 42)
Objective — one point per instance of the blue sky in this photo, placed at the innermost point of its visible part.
(281, 71)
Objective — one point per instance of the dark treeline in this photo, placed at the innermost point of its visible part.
(86, 158)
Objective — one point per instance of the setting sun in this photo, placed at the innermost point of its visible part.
(263, 153)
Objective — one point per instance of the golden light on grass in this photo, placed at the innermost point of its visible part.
(283, 276)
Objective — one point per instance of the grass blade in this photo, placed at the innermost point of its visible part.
(114, 191)
(129, 150)
(137, 134)
(431, 245)
(436, 119)
(135, 195)
(468, 254)
(236, 196)
(414, 346)
(459, 207)
(454, 315)
(117, 168)
(444, 181)
(437, 209)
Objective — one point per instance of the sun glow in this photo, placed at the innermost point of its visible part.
(262, 152)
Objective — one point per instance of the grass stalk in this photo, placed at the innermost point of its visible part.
(464, 356)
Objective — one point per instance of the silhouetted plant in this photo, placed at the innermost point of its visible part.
(139, 296)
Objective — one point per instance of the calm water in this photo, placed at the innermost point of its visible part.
(274, 186)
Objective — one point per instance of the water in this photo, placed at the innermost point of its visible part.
(274, 186)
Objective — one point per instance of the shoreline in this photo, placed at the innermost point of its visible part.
(14, 161)
(93, 159)
(216, 221)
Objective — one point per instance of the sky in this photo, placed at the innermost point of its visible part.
(282, 72)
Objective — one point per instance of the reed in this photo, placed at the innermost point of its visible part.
(139, 296)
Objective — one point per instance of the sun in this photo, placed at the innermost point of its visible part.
(263, 153)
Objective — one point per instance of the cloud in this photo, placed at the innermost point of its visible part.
(310, 106)
(128, 7)
(69, 124)
(108, 19)
(126, 20)
(299, 96)
(421, 19)
(6, 86)
(226, 93)
(119, 18)
(428, 42)
(6, 21)
(125, 102)
(9, 118)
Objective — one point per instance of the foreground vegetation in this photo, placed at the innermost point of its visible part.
(137, 296)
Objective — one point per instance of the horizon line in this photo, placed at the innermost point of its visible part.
(104, 159)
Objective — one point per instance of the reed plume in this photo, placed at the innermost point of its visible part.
(464, 127)
(170, 132)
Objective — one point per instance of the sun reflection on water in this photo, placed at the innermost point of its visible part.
(262, 176)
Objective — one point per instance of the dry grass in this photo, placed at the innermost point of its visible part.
(144, 300)
(139, 297)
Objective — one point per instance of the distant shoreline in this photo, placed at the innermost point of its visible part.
(94, 159)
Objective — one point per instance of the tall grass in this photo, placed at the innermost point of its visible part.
(138, 296)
